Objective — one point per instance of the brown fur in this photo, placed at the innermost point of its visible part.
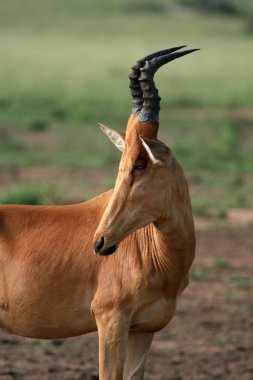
(53, 286)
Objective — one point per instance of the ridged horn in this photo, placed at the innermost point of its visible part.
(151, 99)
(135, 87)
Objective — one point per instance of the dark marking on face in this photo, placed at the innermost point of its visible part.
(132, 178)
(139, 165)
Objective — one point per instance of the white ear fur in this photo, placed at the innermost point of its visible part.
(114, 136)
(149, 151)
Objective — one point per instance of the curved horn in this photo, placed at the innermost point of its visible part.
(135, 87)
(151, 99)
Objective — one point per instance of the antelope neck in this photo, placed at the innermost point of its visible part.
(168, 252)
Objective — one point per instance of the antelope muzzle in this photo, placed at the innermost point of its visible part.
(100, 248)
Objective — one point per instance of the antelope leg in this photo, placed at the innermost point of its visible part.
(113, 334)
(137, 351)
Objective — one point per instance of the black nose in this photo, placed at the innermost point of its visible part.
(99, 245)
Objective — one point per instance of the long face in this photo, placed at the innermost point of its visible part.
(140, 192)
(140, 195)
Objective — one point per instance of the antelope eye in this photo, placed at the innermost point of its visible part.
(140, 165)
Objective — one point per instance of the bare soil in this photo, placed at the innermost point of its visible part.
(210, 337)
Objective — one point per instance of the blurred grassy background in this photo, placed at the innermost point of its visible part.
(64, 67)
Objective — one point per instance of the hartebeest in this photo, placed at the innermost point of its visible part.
(52, 286)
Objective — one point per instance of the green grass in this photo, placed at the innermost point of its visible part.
(239, 282)
(70, 61)
(220, 263)
(34, 194)
(201, 273)
(214, 152)
(64, 67)
(63, 145)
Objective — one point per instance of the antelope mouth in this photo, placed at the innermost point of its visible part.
(100, 250)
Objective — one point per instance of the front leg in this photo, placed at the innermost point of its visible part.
(113, 332)
(137, 351)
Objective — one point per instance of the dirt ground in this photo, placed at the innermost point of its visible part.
(210, 337)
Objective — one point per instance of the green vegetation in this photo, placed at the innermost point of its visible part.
(226, 7)
(232, 296)
(30, 195)
(239, 282)
(64, 67)
(234, 286)
(70, 60)
(220, 263)
(203, 272)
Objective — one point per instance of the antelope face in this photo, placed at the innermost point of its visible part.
(141, 194)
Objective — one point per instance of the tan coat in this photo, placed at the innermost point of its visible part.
(53, 286)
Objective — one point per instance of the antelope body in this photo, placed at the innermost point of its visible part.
(53, 286)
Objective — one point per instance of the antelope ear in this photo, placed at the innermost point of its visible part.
(157, 151)
(117, 138)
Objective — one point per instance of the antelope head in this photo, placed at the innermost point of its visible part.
(146, 178)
